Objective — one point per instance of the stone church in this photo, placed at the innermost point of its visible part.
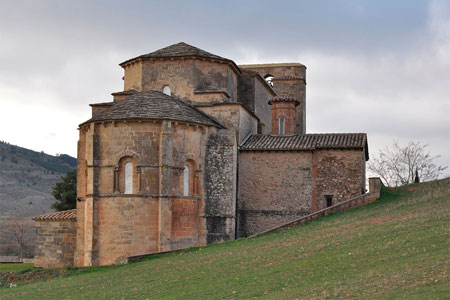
(197, 150)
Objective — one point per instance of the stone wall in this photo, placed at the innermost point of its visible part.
(220, 186)
(246, 90)
(133, 77)
(278, 186)
(255, 95)
(124, 225)
(233, 115)
(215, 76)
(247, 124)
(274, 187)
(10, 259)
(262, 107)
(185, 222)
(339, 174)
(185, 77)
(55, 243)
(113, 225)
(177, 74)
(373, 194)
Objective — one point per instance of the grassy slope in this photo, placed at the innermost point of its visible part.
(395, 248)
(14, 267)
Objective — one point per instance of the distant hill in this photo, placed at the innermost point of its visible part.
(26, 180)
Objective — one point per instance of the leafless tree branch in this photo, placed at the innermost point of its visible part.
(397, 165)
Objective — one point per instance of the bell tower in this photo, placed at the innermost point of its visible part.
(283, 114)
(287, 79)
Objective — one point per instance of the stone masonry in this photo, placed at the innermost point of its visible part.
(55, 239)
(197, 150)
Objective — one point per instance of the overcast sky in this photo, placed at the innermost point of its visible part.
(380, 67)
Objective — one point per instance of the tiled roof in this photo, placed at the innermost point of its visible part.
(181, 50)
(127, 92)
(60, 215)
(300, 142)
(284, 98)
(154, 105)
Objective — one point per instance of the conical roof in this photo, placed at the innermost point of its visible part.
(179, 50)
(154, 105)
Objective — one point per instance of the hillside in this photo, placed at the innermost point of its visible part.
(394, 248)
(26, 181)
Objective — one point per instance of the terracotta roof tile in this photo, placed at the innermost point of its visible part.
(283, 98)
(304, 142)
(60, 215)
(154, 105)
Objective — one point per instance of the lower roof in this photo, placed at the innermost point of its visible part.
(56, 216)
(154, 105)
(306, 142)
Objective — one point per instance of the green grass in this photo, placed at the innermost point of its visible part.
(15, 267)
(395, 248)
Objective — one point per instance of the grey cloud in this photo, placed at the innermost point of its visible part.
(374, 66)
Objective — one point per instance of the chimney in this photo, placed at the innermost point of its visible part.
(283, 114)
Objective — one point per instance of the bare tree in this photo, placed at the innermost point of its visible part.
(397, 165)
(20, 233)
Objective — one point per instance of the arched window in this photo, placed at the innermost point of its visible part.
(186, 180)
(166, 90)
(281, 126)
(128, 178)
(269, 78)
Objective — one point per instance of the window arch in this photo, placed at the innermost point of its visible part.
(281, 126)
(166, 90)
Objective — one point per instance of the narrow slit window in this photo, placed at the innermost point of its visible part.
(281, 125)
(128, 178)
(166, 90)
(186, 175)
(329, 200)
